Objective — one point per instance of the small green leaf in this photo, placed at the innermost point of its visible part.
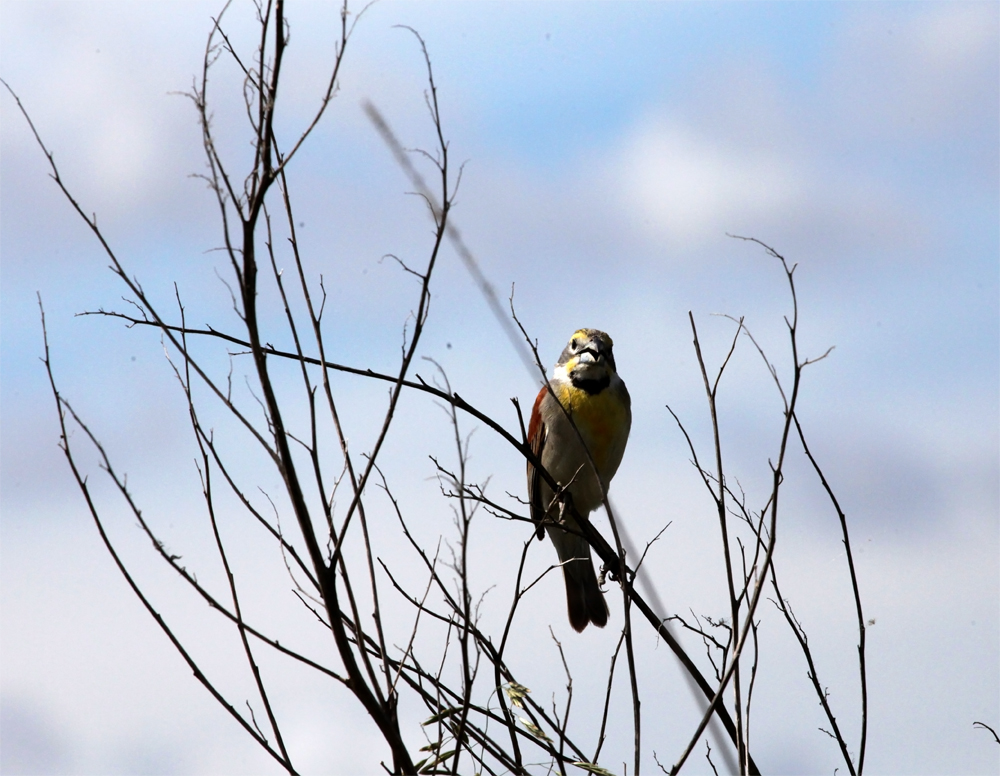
(516, 692)
(536, 731)
(597, 770)
(429, 768)
(441, 715)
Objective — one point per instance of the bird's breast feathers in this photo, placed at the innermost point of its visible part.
(603, 420)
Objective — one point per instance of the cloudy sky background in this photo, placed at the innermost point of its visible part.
(610, 148)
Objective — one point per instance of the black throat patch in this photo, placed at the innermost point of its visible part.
(592, 387)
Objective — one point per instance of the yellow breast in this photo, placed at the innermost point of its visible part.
(602, 418)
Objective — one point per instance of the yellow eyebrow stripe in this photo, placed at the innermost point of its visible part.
(585, 335)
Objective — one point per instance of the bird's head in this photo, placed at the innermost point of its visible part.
(588, 361)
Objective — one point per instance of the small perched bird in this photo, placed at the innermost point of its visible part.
(586, 384)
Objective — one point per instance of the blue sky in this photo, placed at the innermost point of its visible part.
(609, 148)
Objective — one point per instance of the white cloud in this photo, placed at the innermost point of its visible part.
(928, 74)
(955, 36)
(686, 186)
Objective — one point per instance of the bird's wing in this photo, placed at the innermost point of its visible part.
(536, 439)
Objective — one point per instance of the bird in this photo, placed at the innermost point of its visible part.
(586, 383)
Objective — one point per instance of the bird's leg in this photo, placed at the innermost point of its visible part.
(565, 506)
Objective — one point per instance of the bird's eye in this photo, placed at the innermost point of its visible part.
(572, 344)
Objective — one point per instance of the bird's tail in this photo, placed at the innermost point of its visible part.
(584, 598)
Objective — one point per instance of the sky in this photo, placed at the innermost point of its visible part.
(608, 150)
